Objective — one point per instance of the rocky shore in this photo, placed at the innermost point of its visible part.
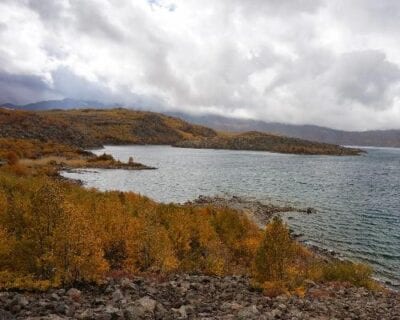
(257, 211)
(185, 296)
(197, 297)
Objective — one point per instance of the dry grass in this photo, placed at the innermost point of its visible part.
(54, 160)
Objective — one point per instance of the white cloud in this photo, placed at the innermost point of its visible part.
(333, 63)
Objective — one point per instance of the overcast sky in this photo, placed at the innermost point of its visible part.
(328, 62)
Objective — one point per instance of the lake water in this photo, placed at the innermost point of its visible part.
(357, 198)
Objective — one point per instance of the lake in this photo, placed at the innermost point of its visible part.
(357, 197)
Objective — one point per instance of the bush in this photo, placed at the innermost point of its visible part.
(103, 157)
(53, 233)
(12, 158)
(275, 254)
(343, 271)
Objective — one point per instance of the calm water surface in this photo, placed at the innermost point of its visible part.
(357, 198)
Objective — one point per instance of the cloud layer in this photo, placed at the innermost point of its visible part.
(331, 63)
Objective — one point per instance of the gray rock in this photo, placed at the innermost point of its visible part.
(248, 313)
(117, 295)
(147, 303)
(160, 311)
(55, 297)
(61, 308)
(183, 311)
(134, 312)
(5, 315)
(20, 300)
(88, 314)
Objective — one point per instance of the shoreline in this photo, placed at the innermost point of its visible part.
(261, 214)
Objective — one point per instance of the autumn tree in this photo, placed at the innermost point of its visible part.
(275, 253)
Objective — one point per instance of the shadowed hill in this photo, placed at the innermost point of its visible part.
(122, 126)
(89, 128)
(32, 125)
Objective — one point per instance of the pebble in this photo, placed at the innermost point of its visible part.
(196, 297)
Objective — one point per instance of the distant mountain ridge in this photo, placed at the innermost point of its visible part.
(63, 104)
(89, 128)
(377, 138)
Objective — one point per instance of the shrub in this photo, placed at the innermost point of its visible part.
(12, 158)
(52, 233)
(275, 254)
(355, 273)
(103, 157)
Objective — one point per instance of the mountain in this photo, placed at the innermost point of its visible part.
(88, 128)
(31, 125)
(63, 104)
(125, 126)
(378, 138)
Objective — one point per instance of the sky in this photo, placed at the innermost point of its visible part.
(329, 63)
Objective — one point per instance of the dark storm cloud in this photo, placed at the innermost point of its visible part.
(23, 88)
(332, 63)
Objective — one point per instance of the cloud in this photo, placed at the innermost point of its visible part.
(333, 63)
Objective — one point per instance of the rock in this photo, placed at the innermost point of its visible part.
(160, 311)
(147, 303)
(55, 297)
(181, 312)
(248, 313)
(310, 210)
(61, 308)
(113, 312)
(88, 314)
(5, 315)
(134, 312)
(276, 313)
(117, 295)
(74, 294)
(128, 284)
(20, 301)
(140, 308)
(49, 317)
(206, 297)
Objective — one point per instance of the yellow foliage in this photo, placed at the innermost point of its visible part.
(344, 271)
(275, 256)
(275, 288)
(53, 233)
(77, 252)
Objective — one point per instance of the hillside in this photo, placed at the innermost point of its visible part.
(122, 126)
(30, 125)
(378, 138)
(88, 128)
(92, 128)
(259, 141)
